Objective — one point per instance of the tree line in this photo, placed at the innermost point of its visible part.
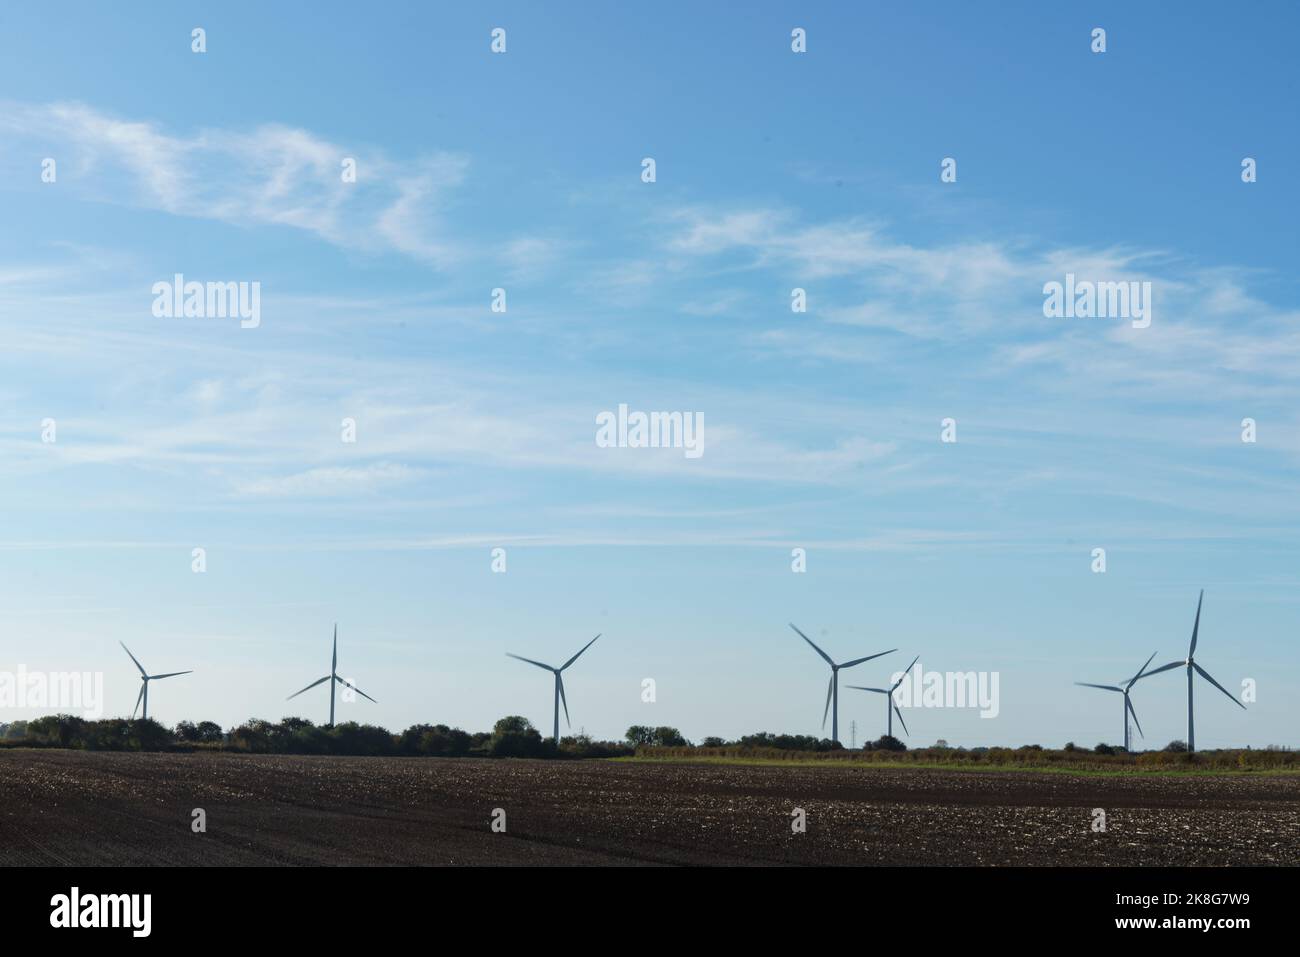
(515, 737)
(512, 736)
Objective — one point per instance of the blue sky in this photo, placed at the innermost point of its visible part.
(476, 429)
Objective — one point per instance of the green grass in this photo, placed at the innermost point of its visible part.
(813, 760)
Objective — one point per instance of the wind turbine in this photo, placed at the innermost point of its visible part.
(144, 683)
(1191, 666)
(889, 700)
(334, 667)
(559, 684)
(833, 689)
(1128, 705)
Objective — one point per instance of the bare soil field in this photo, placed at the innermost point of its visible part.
(86, 808)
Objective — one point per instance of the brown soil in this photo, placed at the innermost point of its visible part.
(69, 807)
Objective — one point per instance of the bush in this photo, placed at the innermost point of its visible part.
(581, 746)
(112, 734)
(59, 730)
(309, 739)
(640, 735)
(515, 737)
(252, 736)
(146, 734)
(205, 732)
(434, 740)
(787, 742)
(358, 739)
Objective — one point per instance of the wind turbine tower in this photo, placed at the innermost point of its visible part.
(559, 684)
(145, 678)
(1191, 666)
(334, 679)
(891, 708)
(1128, 704)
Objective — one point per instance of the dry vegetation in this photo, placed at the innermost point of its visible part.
(1029, 758)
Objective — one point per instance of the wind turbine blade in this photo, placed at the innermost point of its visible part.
(904, 674)
(309, 687)
(349, 684)
(530, 661)
(1084, 684)
(1156, 671)
(1129, 705)
(858, 661)
(1206, 675)
(334, 659)
(815, 648)
(1191, 652)
(860, 688)
(829, 685)
(137, 699)
(575, 657)
(128, 651)
(559, 680)
(1141, 672)
(170, 674)
(901, 721)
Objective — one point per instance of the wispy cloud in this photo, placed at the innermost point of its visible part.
(332, 481)
(269, 175)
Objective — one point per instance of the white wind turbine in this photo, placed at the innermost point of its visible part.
(891, 708)
(833, 689)
(559, 684)
(1128, 705)
(334, 667)
(1191, 665)
(144, 683)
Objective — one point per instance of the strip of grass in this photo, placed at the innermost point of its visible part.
(816, 761)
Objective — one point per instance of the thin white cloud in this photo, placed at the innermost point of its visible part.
(332, 481)
(270, 175)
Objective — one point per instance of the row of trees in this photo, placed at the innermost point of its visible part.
(1173, 747)
(512, 736)
(644, 737)
(69, 731)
